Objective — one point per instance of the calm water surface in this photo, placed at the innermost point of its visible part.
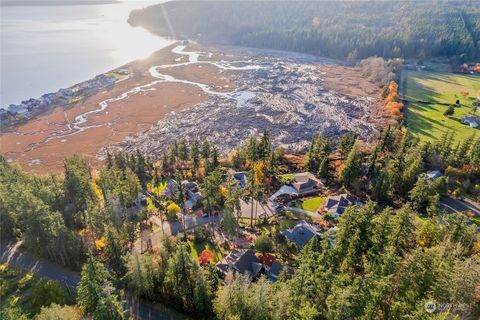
(44, 48)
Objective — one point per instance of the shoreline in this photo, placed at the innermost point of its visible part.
(189, 91)
(32, 108)
(137, 113)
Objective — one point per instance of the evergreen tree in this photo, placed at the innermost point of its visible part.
(195, 153)
(347, 143)
(115, 253)
(141, 170)
(77, 191)
(90, 288)
(324, 170)
(265, 145)
(109, 306)
(180, 277)
(229, 223)
(206, 150)
(202, 296)
(183, 151)
(352, 168)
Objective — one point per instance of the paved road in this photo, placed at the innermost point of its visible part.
(454, 205)
(14, 257)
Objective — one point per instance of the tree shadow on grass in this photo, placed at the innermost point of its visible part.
(418, 124)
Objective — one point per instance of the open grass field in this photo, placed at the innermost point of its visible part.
(426, 121)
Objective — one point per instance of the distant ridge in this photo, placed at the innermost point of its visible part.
(14, 3)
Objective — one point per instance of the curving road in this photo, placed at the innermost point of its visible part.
(14, 257)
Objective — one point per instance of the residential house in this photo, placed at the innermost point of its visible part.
(193, 193)
(472, 121)
(193, 196)
(17, 109)
(3, 114)
(302, 184)
(301, 233)
(306, 183)
(171, 190)
(239, 176)
(433, 174)
(242, 261)
(273, 271)
(260, 210)
(336, 205)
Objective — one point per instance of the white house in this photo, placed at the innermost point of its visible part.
(472, 121)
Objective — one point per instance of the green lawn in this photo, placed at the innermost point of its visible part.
(420, 219)
(155, 228)
(196, 249)
(284, 177)
(475, 220)
(310, 204)
(427, 121)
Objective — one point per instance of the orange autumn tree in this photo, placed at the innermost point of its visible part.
(205, 257)
(393, 103)
(476, 68)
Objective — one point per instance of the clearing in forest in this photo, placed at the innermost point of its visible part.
(426, 120)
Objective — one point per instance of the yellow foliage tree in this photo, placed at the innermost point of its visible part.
(100, 244)
(259, 173)
(223, 191)
(173, 209)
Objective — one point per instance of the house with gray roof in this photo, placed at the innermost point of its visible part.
(302, 184)
(193, 195)
(243, 261)
(472, 121)
(301, 233)
(336, 205)
(433, 174)
(273, 271)
(260, 209)
(240, 177)
(305, 183)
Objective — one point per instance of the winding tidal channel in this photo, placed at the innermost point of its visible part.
(240, 97)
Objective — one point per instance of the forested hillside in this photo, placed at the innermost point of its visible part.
(350, 30)
(383, 259)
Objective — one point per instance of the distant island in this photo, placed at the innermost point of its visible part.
(13, 3)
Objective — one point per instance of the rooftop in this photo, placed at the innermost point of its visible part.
(241, 261)
(302, 233)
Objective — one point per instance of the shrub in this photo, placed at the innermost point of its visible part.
(205, 257)
(450, 110)
(199, 235)
(172, 210)
(263, 244)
